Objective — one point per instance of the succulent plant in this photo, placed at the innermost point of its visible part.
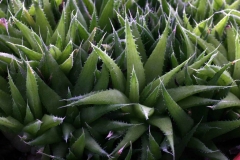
(148, 82)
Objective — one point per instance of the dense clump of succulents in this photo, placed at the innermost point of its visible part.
(153, 80)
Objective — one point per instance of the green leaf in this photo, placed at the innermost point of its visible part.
(27, 34)
(129, 155)
(186, 91)
(210, 130)
(33, 127)
(32, 93)
(154, 147)
(42, 23)
(236, 70)
(68, 50)
(67, 65)
(78, 146)
(11, 123)
(182, 119)
(165, 125)
(106, 16)
(49, 137)
(230, 34)
(60, 30)
(218, 4)
(214, 155)
(220, 26)
(32, 55)
(50, 99)
(194, 101)
(83, 33)
(103, 80)
(94, 21)
(86, 78)
(29, 116)
(6, 103)
(49, 13)
(114, 126)
(154, 65)
(163, 79)
(117, 76)
(133, 59)
(51, 70)
(229, 101)
(219, 59)
(195, 143)
(91, 114)
(98, 98)
(131, 135)
(153, 97)
(90, 5)
(143, 111)
(67, 130)
(134, 88)
(184, 141)
(55, 52)
(49, 122)
(138, 41)
(93, 146)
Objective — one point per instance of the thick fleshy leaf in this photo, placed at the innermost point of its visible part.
(229, 101)
(131, 135)
(6, 103)
(28, 34)
(67, 130)
(134, 88)
(114, 126)
(33, 127)
(51, 70)
(194, 101)
(236, 70)
(93, 146)
(91, 114)
(102, 97)
(129, 155)
(163, 79)
(50, 99)
(195, 143)
(154, 65)
(32, 93)
(117, 76)
(165, 125)
(182, 119)
(86, 78)
(67, 65)
(133, 59)
(106, 16)
(103, 80)
(78, 146)
(154, 147)
(32, 55)
(186, 91)
(184, 141)
(49, 137)
(29, 116)
(210, 130)
(143, 111)
(11, 123)
(49, 122)
(42, 24)
(138, 41)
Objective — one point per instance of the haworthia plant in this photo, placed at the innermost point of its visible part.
(120, 79)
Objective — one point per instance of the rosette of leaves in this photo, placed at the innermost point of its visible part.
(149, 91)
(145, 98)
